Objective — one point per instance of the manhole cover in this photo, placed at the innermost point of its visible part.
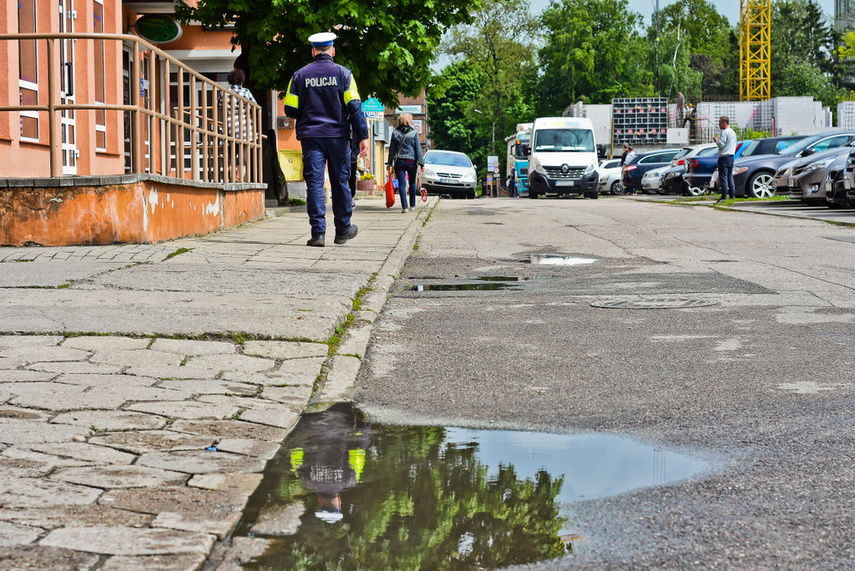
(655, 303)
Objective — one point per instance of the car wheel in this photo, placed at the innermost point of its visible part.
(594, 195)
(471, 193)
(616, 188)
(532, 194)
(694, 190)
(760, 185)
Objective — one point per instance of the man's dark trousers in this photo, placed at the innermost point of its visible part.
(725, 176)
(334, 153)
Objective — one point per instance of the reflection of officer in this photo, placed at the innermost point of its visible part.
(327, 451)
(322, 97)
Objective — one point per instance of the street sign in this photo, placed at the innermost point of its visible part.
(374, 115)
(493, 164)
(372, 105)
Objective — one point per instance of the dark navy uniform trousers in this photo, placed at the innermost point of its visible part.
(334, 153)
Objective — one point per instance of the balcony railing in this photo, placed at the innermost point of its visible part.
(178, 123)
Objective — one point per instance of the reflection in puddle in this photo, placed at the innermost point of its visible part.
(464, 287)
(559, 260)
(345, 494)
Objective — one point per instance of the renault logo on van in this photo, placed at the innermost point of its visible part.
(565, 168)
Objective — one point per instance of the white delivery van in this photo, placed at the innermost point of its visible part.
(562, 157)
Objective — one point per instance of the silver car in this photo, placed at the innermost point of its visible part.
(610, 174)
(651, 179)
(811, 179)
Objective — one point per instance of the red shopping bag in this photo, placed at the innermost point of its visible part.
(390, 193)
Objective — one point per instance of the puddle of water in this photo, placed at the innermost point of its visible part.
(559, 260)
(464, 287)
(346, 494)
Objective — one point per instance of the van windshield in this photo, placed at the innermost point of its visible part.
(564, 140)
(518, 150)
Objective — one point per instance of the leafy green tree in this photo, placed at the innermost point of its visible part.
(389, 46)
(498, 44)
(452, 125)
(592, 49)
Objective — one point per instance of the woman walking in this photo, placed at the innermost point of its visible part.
(405, 156)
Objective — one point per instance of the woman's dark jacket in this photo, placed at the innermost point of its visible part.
(406, 139)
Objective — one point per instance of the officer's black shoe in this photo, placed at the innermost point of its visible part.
(317, 241)
(341, 239)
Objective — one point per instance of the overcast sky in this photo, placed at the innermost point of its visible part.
(729, 8)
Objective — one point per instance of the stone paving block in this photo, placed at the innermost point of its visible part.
(187, 509)
(10, 341)
(44, 353)
(139, 358)
(76, 516)
(13, 534)
(298, 393)
(110, 477)
(258, 449)
(61, 397)
(85, 452)
(22, 376)
(284, 349)
(129, 541)
(21, 462)
(236, 363)
(201, 462)
(172, 372)
(244, 484)
(278, 416)
(107, 420)
(279, 519)
(44, 559)
(36, 492)
(211, 386)
(139, 442)
(106, 344)
(290, 372)
(189, 410)
(111, 380)
(24, 432)
(180, 562)
(230, 429)
(190, 347)
(78, 367)
(18, 413)
(241, 551)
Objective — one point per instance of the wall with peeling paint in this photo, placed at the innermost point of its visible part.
(141, 209)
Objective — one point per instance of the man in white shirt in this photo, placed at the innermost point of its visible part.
(726, 142)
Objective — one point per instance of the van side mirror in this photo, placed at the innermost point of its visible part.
(526, 150)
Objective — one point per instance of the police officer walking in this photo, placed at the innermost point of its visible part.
(322, 97)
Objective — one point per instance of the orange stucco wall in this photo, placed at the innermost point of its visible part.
(139, 212)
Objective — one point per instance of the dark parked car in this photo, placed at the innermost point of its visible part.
(754, 174)
(638, 164)
(699, 170)
(767, 146)
(672, 181)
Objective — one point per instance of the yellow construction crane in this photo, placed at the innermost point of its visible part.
(755, 30)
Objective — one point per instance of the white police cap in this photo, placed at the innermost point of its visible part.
(322, 39)
(329, 517)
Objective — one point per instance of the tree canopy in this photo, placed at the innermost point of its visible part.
(389, 45)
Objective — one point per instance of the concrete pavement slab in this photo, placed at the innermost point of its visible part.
(129, 541)
(158, 358)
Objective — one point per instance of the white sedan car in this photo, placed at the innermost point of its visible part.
(449, 172)
(651, 179)
(610, 173)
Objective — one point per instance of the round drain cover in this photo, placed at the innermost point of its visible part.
(655, 303)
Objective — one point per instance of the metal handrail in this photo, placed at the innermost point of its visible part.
(211, 143)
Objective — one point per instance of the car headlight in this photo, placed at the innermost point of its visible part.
(469, 177)
(785, 172)
(739, 170)
(535, 163)
(820, 164)
(429, 173)
(589, 169)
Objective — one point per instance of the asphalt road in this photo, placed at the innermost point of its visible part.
(759, 384)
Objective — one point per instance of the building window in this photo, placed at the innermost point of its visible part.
(28, 67)
(100, 76)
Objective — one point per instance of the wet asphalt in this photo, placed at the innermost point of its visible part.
(758, 383)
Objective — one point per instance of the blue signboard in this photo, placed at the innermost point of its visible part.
(372, 105)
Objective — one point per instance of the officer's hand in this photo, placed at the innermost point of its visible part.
(363, 147)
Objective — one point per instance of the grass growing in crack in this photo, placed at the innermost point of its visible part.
(177, 252)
